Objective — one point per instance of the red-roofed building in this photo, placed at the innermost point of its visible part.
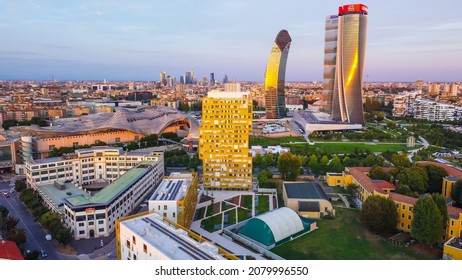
(404, 204)
(9, 251)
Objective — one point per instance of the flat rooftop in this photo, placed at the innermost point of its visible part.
(171, 241)
(114, 189)
(304, 190)
(57, 196)
(173, 188)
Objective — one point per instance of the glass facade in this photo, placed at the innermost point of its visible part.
(330, 56)
(275, 76)
(347, 105)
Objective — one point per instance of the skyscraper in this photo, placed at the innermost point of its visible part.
(163, 78)
(189, 78)
(225, 79)
(224, 140)
(347, 105)
(212, 79)
(330, 58)
(276, 75)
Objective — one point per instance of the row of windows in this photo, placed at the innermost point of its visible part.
(404, 207)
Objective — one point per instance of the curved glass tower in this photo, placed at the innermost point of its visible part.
(347, 104)
(276, 75)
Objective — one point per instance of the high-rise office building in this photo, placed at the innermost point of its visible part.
(224, 140)
(225, 79)
(188, 78)
(330, 55)
(347, 105)
(276, 75)
(212, 79)
(163, 78)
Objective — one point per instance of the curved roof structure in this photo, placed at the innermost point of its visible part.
(273, 227)
(144, 120)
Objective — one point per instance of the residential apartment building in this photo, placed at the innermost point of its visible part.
(176, 198)
(224, 140)
(403, 103)
(85, 166)
(150, 236)
(433, 111)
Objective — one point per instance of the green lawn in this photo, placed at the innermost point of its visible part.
(242, 214)
(263, 204)
(209, 223)
(261, 141)
(345, 238)
(231, 216)
(348, 148)
(247, 201)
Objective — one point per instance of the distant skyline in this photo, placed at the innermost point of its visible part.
(136, 40)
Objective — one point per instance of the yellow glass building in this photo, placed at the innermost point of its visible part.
(224, 140)
(276, 75)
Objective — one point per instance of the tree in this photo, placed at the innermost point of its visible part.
(379, 214)
(51, 221)
(400, 160)
(377, 173)
(324, 161)
(435, 177)
(456, 192)
(336, 165)
(347, 161)
(289, 165)
(20, 185)
(258, 161)
(17, 235)
(427, 225)
(415, 177)
(442, 206)
(63, 235)
(269, 159)
(9, 123)
(314, 165)
(263, 177)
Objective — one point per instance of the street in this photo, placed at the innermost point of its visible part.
(86, 249)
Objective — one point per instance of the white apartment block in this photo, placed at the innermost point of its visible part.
(433, 111)
(85, 166)
(149, 237)
(403, 104)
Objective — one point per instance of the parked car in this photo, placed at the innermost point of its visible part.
(6, 194)
(43, 254)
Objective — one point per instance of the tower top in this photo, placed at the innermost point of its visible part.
(352, 9)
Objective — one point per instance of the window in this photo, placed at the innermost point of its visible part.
(100, 229)
(452, 223)
(81, 224)
(409, 227)
(134, 240)
(165, 207)
(134, 256)
(117, 140)
(402, 225)
(91, 223)
(404, 207)
(410, 208)
(402, 215)
(409, 217)
(173, 214)
(128, 243)
(100, 222)
(145, 248)
(75, 144)
(81, 232)
(451, 233)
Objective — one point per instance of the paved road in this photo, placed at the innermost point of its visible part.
(34, 232)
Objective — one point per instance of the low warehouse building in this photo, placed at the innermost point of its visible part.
(308, 199)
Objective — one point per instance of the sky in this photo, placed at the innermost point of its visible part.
(136, 40)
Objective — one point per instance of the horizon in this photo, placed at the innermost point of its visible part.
(135, 42)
